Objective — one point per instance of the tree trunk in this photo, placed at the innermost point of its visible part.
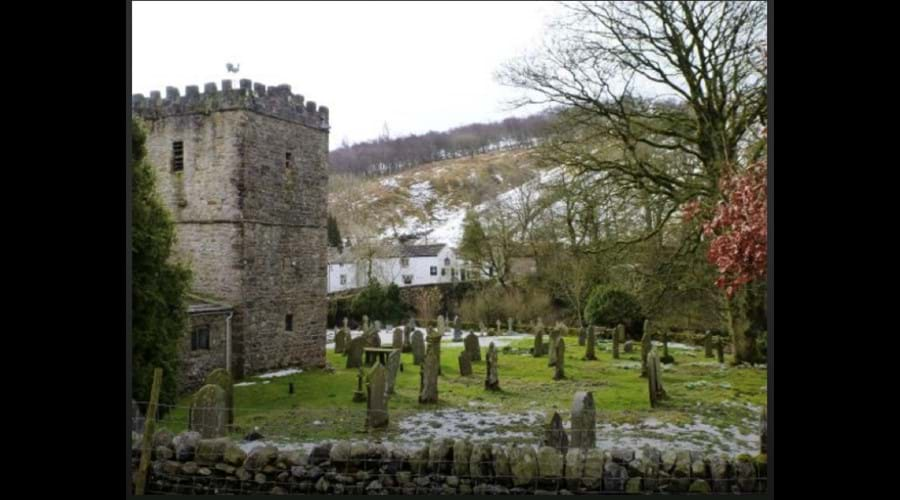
(743, 343)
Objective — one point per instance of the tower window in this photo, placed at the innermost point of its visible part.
(177, 156)
(289, 322)
(200, 338)
(288, 160)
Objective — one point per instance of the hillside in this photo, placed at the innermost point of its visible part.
(427, 202)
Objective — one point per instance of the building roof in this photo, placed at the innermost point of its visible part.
(415, 250)
(202, 305)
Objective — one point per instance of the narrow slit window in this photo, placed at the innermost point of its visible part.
(177, 156)
(289, 322)
(288, 160)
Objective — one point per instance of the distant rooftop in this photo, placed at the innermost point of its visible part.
(393, 251)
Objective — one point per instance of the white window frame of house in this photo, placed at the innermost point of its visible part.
(343, 279)
(407, 279)
(446, 261)
(434, 271)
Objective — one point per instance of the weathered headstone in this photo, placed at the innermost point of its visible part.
(222, 378)
(509, 326)
(429, 391)
(555, 334)
(418, 347)
(407, 332)
(584, 421)
(374, 336)
(708, 344)
(397, 340)
(555, 435)
(358, 395)
(497, 332)
(665, 357)
(465, 364)
(654, 369)
(457, 332)
(209, 414)
(646, 345)
(376, 406)
(355, 352)
(436, 341)
(720, 350)
(763, 432)
(473, 347)
(589, 353)
(629, 346)
(617, 336)
(492, 380)
(582, 336)
(393, 366)
(538, 340)
(341, 339)
(560, 348)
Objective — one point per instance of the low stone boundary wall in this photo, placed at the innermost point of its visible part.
(186, 464)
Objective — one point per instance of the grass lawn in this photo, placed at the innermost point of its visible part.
(724, 398)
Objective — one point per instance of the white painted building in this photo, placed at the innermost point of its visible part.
(404, 265)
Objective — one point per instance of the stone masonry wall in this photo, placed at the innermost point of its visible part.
(186, 464)
(195, 365)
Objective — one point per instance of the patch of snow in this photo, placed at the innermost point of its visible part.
(389, 182)
(280, 373)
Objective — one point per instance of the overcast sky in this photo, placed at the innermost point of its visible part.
(416, 66)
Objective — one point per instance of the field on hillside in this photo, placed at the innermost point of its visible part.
(427, 200)
(711, 407)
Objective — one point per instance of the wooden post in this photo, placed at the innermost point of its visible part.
(147, 438)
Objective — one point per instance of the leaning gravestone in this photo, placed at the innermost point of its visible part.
(560, 349)
(418, 347)
(555, 435)
(492, 380)
(472, 347)
(428, 392)
(465, 364)
(222, 378)
(355, 352)
(393, 366)
(707, 344)
(584, 421)
(397, 340)
(591, 344)
(341, 339)
(646, 345)
(209, 414)
(376, 406)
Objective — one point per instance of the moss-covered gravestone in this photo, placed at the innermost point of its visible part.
(584, 421)
(654, 379)
(397, 340)
(222, 378)
(407, 332)
(393, 366)
(538, 342)
(465, 364)
(708, 344)
(560, 349)
(492, 379)
(418, 347)
(555, 335)
(629, 347)
(589, 353)
(376, 400)
(720, 350)
(209, 413)
(341, 339)
(615, 340)
(472, 347)
(355, 352)
(555, 435)
(428, 391)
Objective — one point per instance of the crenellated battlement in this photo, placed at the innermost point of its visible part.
(276, 101)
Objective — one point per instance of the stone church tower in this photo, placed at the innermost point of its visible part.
(243, 172)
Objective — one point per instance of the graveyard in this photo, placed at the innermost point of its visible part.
(708, 406)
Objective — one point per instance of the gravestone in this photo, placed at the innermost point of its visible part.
(665, 357)
(618, 336)
(465, 364)
(509, 326)
(560, 349)
(538, 341)
(482, 330)
(407, 332)
(457, 332)
(646, 345)
(418, 347)
(629, 346)
(720, 350)
(555, 334)
(376, 406)
(654, 370)
(222, 378)
(707, 344)
(472, 347)
(492, 379)
(497, 333)
(436, 340)
(374, 336)
(589, 353)
(584, 421)
(582, 336)
(428, 390)
(209, 414)
(397, 340)
(341, 339)
(355, 352)
(393, 366)
(763, 432)
(555, 435)
(358, 395)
